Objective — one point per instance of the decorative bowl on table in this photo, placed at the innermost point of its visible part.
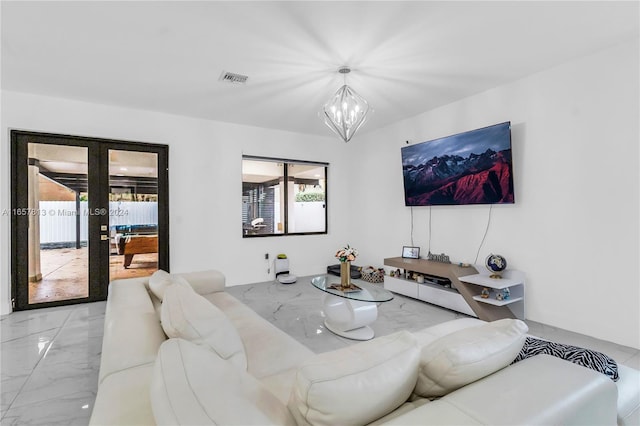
(372, 275)
(496, 264)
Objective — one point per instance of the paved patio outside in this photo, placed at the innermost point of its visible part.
(65, 273)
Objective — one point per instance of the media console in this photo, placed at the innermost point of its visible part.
(459, 288)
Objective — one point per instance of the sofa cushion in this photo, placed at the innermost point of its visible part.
(204, 282)
(193, 386)
(158, 283)
(131, 339)
(269, 350)
(356, 384)
(400, 411)
(430, 334)
(123, 398)
(187, 315)
(129, 294)
(467, 355)
(132, 332)
(280, 384)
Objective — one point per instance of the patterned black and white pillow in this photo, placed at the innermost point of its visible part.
(586, 357)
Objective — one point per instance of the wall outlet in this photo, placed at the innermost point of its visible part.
(266, 256)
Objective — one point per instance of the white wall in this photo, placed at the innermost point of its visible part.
(575, 225)
(205, 159)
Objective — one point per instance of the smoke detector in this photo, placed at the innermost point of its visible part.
(231, 77)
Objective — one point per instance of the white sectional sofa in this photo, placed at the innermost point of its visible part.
(237, 368)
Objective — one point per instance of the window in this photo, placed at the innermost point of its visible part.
(283, 197)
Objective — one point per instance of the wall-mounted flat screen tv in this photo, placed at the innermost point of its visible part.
(473, 167)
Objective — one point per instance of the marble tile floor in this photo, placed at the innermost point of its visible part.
(49, 363)
(296, 309)
(50, 357)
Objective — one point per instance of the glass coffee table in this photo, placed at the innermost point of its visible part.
(348, 314)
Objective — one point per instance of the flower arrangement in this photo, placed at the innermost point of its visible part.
(347, 254)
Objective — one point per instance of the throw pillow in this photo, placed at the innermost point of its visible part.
(187, 315)
(192, 386)
(357, 384)
(467, 355)
(586, 357)
(158, 282)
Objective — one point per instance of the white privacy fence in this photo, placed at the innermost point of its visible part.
(308, 217)
(133, 213)
(58, 218)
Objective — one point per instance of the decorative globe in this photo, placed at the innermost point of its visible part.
(496, 264)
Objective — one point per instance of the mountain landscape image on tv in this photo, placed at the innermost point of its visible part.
(473, 167)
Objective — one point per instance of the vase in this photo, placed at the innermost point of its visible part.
(345, 274)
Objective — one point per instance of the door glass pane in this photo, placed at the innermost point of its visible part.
(307, 205)
(58, 223)
(262, 197)
(133, 214)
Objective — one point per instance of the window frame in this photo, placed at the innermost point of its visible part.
(285, 196)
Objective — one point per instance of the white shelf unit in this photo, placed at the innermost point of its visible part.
(497, 302)
(431, 293)
(401, 286)
(511, 279)
(460, 297)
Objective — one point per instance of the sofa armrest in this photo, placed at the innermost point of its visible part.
(628, 396)
(205, 282)
(540, 390)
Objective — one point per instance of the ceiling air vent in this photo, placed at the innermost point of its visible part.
(231, 77)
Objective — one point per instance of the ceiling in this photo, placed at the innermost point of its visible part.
(68, 166)
(67, 159)
(407, 57)
(257, 171)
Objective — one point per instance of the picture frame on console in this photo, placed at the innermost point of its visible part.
(410, 252)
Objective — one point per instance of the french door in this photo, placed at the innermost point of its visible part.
(85, 211)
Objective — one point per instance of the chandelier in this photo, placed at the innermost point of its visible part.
(346, 111)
